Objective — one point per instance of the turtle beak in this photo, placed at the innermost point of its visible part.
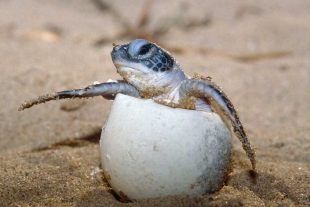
(119, 54)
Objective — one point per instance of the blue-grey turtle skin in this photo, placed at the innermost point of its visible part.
(149, 71)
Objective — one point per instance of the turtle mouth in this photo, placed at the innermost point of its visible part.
(127, 72)
(118, 65)
(121, 67)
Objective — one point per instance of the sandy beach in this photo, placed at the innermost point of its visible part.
(257, 51)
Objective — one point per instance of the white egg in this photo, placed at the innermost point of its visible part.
(149, 150)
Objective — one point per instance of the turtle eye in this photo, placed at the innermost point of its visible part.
(144, 49)
(141, 49)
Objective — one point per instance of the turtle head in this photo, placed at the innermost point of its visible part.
(145, 65)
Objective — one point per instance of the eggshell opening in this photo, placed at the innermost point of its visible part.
(149, 150)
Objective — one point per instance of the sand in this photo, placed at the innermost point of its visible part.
(258, 52)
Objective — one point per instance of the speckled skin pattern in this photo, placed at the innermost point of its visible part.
(149, 71)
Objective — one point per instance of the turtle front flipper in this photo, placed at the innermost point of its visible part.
(107, 90)
(205, 88)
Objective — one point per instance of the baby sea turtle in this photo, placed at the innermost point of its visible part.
(150, 72)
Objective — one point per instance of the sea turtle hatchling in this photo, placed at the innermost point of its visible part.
(150, 72)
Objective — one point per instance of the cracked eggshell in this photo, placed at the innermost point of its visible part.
(149, 150)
